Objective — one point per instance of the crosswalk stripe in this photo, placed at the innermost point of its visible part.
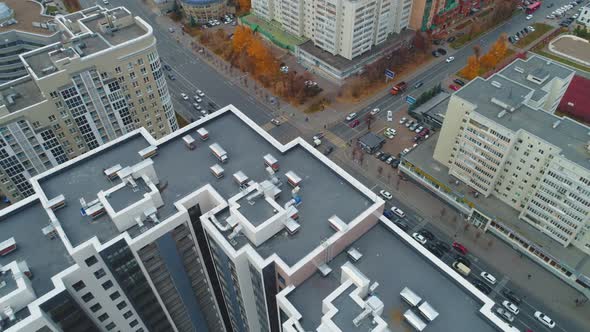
(337, 141)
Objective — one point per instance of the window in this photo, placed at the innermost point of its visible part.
(133, 323)
(52, 118)
(99, 273)
(128, 314)
(121, 305)
(96, 307)
(79, 285)
(103, 317)
(91, 261)
(118, 70)
(110, 326)
(115, 296)
(107, 284)
(87, 297)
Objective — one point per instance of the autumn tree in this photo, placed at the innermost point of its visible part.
(471, 70)
(72, 5)
(496, 53)
(422, 41)
(244, 5)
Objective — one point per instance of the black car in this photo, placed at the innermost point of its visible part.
(435, 54)
(427, 234)
(328, 150)
(458, 81)
(482, 286)
(395, 163)
(510, 295)
(402, 224)
(463, 260)
(167, 67)
(443, 246)
(437, 41)
(442, 51)
(451, 39)
(171, 77)
(433, 249)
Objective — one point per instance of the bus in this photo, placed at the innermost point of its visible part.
(533, 7)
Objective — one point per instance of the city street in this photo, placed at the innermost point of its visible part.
(194, 72)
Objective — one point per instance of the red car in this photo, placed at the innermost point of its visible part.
(354, 123)
(454, 87)
(460, 248)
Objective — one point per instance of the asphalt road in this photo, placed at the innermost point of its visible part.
(441, 70)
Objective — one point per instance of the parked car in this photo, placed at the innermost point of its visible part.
(414, 126)
(443, 246)
(403, 120)
(513, 308)
(395, 163)
(459, 82)
(197, 106)
(384, 156)
(388, 214)
(420, 238)
(167, 67)
(433, 249)
(529, 17)
(482, 286)
(377, 154)
(171, 77)
(488, 277)
(401, 224)
(442, 51)
(511, 296)
(275, 122)
(544, 319)
(454, 87)
(398, 212)
(409, 123)
(375, 111)
(463, 260)
(530, 28)
(435, 54)
(318, 136)
(200, 93)
(504, 314)
(427, 234)
(184, 96)
(450, 59)
(354, 123)
(460, 248)
(418, 130)
(385, 194)
(351, 116)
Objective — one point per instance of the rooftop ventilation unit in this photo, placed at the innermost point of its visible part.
(518, 69)
(501, 114)
(11, 97)
(496, 84)
(49, 69)
(556, 124)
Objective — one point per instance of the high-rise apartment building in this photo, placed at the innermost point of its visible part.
(99, 80)
(198, 231)
(347, 28)
(500, 138)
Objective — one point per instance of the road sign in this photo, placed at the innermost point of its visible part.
(389, 74)
(410, 100)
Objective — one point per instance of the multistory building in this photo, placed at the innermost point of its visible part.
(198, 231)
(202, 11)
(347, 28)
(101, 79)
(500, 137)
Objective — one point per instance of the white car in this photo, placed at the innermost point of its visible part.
(530, 28)
(284, 69)
(398, 212)
(488, 277)
(545, 319)
(511, 307)
(450, 59)
(184, 96)
(390, 133)
(197, 99)
(420, 238)
(200, 93)
(389, 116)
(419, 129)
(528, 17)
(351, 116)
(385, 194)
(375, 111)
(403, 120)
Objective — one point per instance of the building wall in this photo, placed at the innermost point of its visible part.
(457, 110)
(204, 12)
(417, 14)
(584, 17)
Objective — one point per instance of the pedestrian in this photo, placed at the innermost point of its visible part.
(529, 276)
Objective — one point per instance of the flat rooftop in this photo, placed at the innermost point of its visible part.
(45, 256)
(23, 92)
(324, 193)
(26, 13)
(85, 179)
(125, 196)
(256, 213)
(569, 135)
(116, 36)
(390, 261)
(519, 71)
(421, 157)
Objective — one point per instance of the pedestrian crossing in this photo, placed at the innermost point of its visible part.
(268, 126)
(337, 141)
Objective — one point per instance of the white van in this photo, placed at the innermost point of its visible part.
(461, 268)
(389, 116)
(398, 212)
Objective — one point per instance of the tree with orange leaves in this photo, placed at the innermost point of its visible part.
(242, 38)
(265, 63)
(244, 5)
(471, 70)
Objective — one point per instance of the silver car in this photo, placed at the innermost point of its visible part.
(505, 314)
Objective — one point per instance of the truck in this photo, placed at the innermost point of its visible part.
(398, 88)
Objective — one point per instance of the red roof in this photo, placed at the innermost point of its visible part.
(576, 99)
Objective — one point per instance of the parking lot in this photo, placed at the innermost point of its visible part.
(404, 138)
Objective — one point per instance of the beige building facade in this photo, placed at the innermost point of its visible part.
(500, 138)
(102, 80)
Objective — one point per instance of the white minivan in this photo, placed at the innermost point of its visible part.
(398, 212)
(389, 116)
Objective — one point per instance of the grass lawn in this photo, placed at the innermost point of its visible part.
(563, 60)
(540, 29)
